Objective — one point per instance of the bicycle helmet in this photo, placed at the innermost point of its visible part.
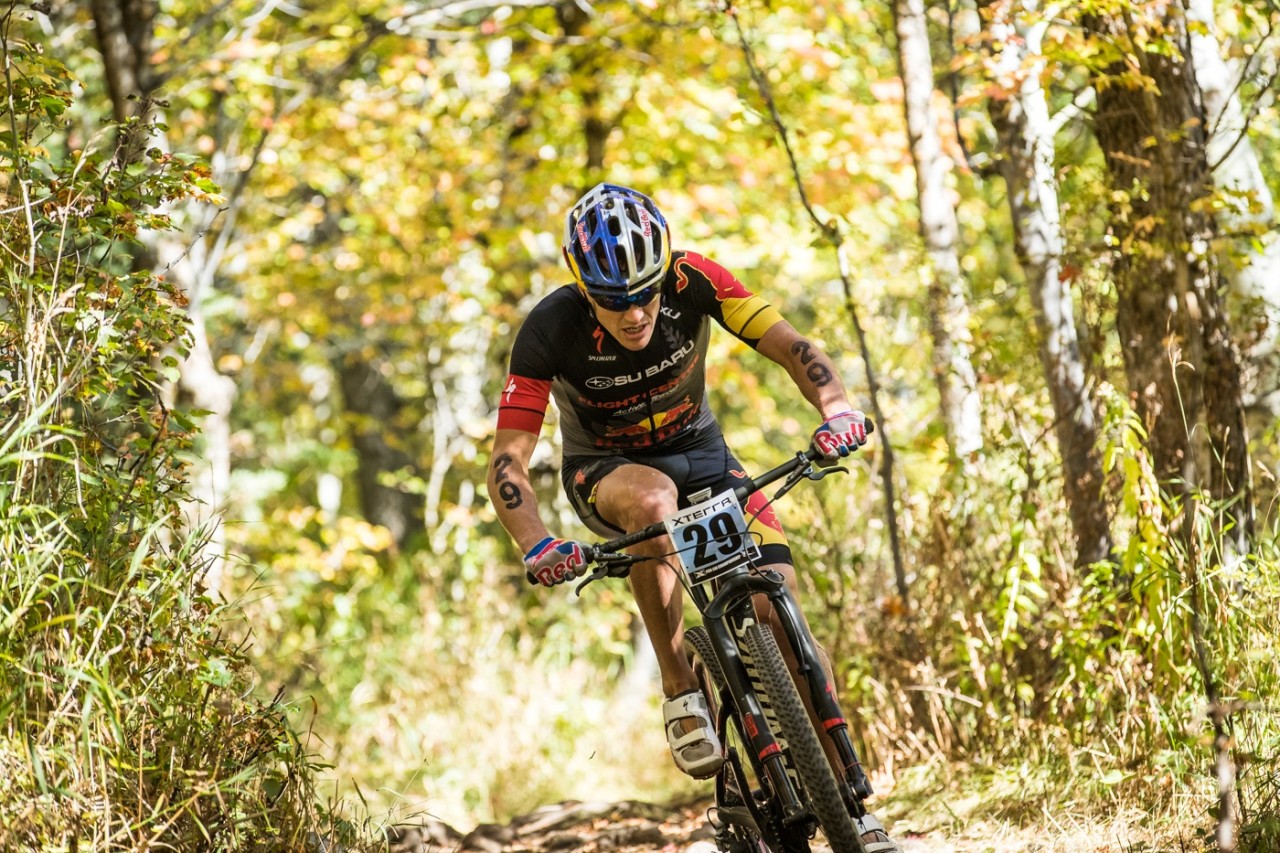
(617, 245)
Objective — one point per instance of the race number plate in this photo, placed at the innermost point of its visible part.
(711, 537)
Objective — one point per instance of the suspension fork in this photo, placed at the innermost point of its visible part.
(755, 726)
(821, 690)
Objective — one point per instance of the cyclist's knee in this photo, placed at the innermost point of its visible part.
(634, 496)
(650, 507)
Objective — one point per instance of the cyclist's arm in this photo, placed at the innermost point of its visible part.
(510, 489)
(810, 368)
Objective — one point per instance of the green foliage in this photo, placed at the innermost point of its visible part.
(1100, 677)
(124, 721)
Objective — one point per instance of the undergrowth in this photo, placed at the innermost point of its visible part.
(126, 721)
(1089, 691)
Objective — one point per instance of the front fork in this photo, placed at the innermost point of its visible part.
(821, 690)
(755, 726)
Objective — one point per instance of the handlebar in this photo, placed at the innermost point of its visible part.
(604, 551)
(610, 562)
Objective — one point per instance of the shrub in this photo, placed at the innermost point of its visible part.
(125, 720)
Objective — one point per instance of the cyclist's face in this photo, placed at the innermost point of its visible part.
(632, 327)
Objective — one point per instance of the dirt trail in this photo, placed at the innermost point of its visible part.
(626, 827)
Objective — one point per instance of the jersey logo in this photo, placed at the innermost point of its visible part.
(648, 425)
(682, 277)
(600, 383)
(721, 280)
(598, 337)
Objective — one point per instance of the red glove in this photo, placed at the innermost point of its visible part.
(840, 435)
(553, 561)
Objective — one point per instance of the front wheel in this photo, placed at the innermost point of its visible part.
(810, 761)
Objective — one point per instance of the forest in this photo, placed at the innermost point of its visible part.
(263, 263)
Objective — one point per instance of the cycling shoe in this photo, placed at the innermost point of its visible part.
(697, 752)
(874, 837)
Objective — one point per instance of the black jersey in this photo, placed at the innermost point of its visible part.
(612, 399)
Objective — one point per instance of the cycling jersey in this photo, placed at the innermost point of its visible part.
(612, 399)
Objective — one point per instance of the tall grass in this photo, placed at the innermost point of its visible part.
(1106, 678)
(126, 720)
(445, 688)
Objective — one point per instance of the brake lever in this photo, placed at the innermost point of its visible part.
(599, 572)
(815, 473)
(607, 566)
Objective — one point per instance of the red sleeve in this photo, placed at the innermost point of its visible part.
(523, 404)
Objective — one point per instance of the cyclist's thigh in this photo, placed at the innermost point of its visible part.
(634, 496)
(601, 489)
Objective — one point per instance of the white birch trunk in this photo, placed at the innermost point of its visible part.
(1253, 275)
(207, 389)
(948, 303)
(1026, 132)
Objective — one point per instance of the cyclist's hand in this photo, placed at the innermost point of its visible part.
(553, 561)
(840, 435)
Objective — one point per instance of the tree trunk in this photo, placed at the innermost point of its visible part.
(948, 306)
(124, 39)
(1183, 369)
(1182, 366)
(373, 403)
(1253, 273)
(573, 18)
(1022, 121)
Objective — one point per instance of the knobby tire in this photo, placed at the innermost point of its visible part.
(802, 741)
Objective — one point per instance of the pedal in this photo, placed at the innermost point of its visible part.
(734, 827)
(727, 816)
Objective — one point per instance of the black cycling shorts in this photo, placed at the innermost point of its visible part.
(710, 466)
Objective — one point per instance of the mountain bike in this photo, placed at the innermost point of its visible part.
(777, 786)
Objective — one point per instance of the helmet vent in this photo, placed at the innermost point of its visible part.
(602, 257)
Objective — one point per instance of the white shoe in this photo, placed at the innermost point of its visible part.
(697, 752)
(874, 838)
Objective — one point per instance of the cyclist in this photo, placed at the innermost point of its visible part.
(623, 352)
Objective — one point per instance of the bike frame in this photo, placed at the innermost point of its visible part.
(726, 611)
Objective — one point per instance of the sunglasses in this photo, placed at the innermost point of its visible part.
(622, 303)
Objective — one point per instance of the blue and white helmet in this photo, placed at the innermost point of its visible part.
(616, 244)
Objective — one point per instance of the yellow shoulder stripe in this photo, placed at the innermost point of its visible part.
(750, 317)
